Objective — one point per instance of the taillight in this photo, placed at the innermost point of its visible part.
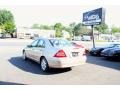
(60, 54)
(85, 52)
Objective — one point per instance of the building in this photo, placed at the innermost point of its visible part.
(26, 33)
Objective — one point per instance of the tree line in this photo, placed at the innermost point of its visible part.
(7, 26)
(77, 29)
(74, 29)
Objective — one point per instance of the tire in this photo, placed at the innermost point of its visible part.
(44, 64)
(24, 56)
(69, 68)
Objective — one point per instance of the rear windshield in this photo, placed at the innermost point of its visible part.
(60, 43)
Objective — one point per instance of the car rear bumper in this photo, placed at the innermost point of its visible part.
(64, 63)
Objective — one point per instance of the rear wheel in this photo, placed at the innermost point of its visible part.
(44, 64)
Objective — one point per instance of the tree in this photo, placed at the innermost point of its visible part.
(77, 29)
(6, 16)
(46, 27)
(35, 26)
(84, 31)
(9, 28)
(103, 28)
(58, 28)
(71, 28)
(115, 29)
(7, 22)
(68, 29)
(2, 28)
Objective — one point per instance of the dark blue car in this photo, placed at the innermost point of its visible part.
(112, 52)
(97, 51)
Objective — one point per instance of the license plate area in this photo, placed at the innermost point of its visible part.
(74, 54)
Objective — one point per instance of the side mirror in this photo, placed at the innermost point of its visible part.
(29, 46)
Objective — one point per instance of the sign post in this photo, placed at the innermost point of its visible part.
(92, 27)
(94, 17)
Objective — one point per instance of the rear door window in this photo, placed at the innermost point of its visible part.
(34, 43)
(41, 43)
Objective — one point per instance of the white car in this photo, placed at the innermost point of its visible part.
(86, 38)
(54, 53)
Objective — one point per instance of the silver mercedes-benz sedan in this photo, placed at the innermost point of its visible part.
(54, 53)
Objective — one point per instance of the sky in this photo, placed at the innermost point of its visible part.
(27, 15)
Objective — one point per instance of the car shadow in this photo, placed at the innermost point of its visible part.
(33, 67)
(110, 63)
(9, 83)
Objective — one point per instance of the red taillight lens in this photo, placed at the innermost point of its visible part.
(86, 52)
(60, 54)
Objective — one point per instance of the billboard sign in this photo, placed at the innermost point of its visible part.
(94, 17)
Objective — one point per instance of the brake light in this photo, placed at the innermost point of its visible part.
(85, 52)
(60, 54)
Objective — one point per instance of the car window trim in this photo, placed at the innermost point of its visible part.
(51, 42)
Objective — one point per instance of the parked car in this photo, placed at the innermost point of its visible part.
(2, 35)
(34, 36)
(112, 52)
(86, 38)
(54, 53)
(97, 51)
(114, 40)
(77, 38)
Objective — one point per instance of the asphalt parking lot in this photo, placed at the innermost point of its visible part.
(14, 70)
